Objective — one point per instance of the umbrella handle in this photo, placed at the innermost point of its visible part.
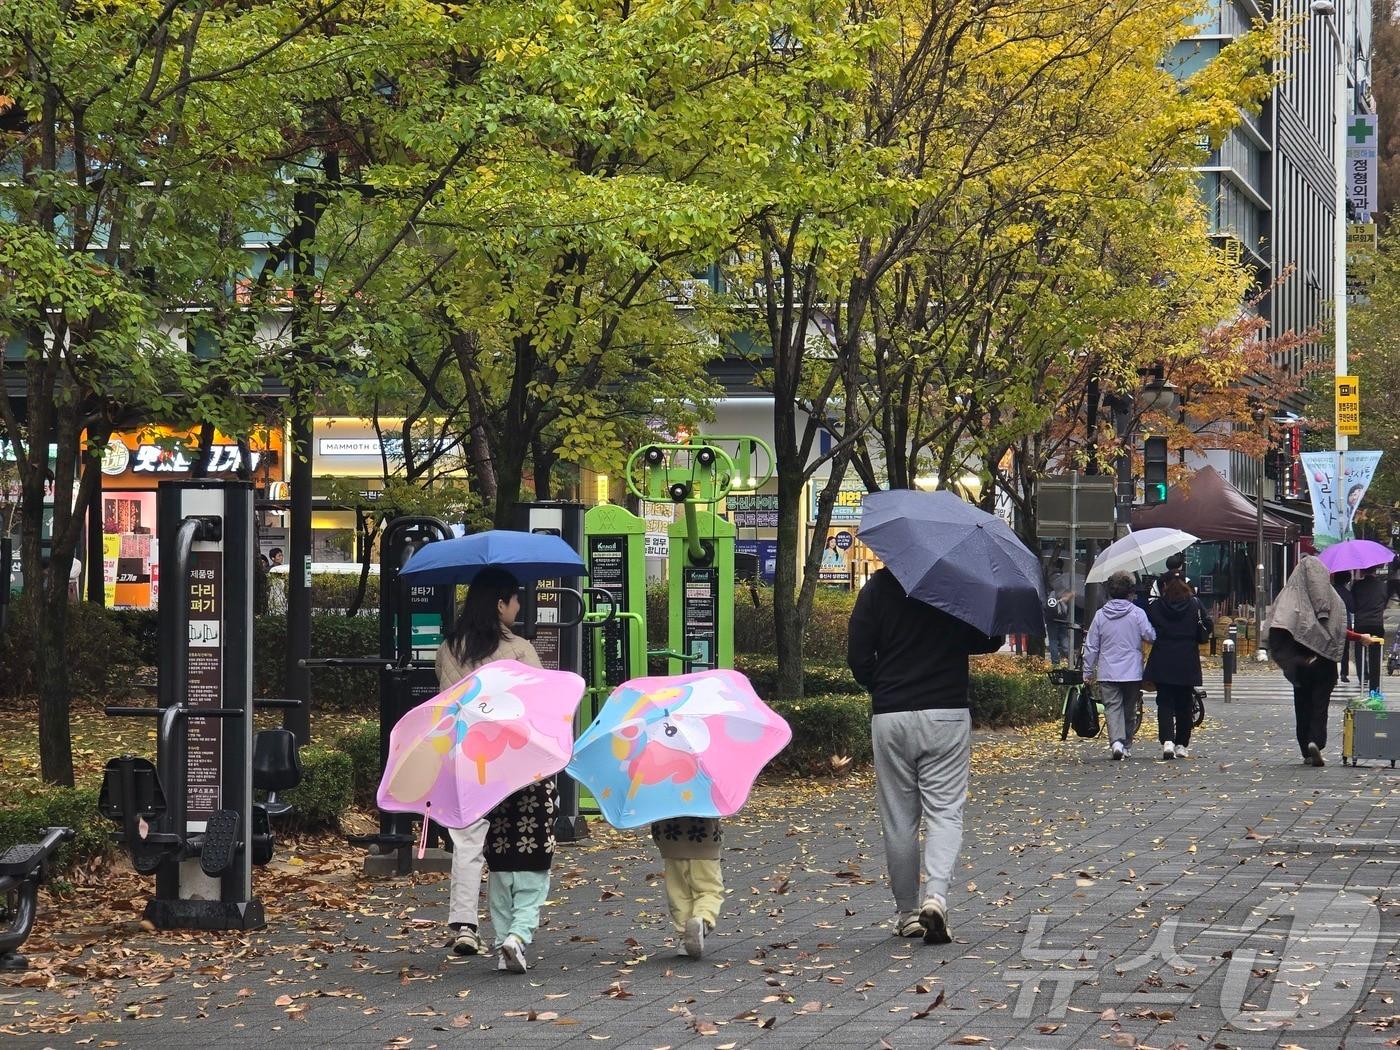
(423, 838)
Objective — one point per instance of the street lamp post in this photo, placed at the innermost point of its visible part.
(1328, 11)
(1260, 655)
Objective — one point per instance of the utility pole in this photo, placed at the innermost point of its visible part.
(298, 678)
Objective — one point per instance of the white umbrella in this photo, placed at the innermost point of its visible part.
(1137, 551)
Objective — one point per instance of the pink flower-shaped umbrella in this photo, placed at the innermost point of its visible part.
(502, 728)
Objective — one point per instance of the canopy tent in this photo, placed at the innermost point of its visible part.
(1211, 508)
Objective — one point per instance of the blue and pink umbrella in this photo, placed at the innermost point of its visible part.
(679, 746)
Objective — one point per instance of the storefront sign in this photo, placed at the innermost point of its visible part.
(766, 551)
(351, 447)
(1361, 166)
(156, 459)
(837, 555)
(847, 507)
(753, 512)
(206, 677)
(143, 458)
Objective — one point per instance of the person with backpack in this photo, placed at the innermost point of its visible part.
(1113, 657)
(1182, 624)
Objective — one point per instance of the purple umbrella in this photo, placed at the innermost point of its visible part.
(1355, 554)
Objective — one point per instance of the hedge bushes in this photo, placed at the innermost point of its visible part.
(335, 688)
(360, 741)
(326, 790)
(32, 807)
(102, 660)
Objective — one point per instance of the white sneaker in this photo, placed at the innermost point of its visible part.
(908, 925)
(693, 940)
(1168, 752)
(1182, 751)
(512, 954)
(1118, 751)
(1127, 752)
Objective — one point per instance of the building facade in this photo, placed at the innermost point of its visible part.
(1270, 186)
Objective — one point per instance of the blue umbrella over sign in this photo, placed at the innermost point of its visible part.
(956, 557)
(528, 556)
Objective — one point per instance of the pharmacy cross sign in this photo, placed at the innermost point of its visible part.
(1361, 130)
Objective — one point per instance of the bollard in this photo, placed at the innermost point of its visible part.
(1227, 662)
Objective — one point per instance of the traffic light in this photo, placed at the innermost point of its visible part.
(1154, 470)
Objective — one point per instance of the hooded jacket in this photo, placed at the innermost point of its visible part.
(1113, 649)
(1311, 612)
(1176, 655)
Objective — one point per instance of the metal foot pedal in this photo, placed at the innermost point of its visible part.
(220, 842)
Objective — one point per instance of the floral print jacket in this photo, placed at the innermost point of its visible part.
(688, 838)
(521, 835)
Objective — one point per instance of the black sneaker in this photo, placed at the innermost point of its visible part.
(933, 917)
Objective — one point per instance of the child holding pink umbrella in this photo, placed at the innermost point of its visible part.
(516, 839)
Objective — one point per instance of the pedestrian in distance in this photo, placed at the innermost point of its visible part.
(1307, 636)
(1175, 569)
(1182, 624)
(516, 838)
(1058, 616)
(1113, 658)
(1370, 598)
(690, 850)
(1341, 583)
(913, 659)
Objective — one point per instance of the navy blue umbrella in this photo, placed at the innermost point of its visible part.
(949, 554)
(525, 555)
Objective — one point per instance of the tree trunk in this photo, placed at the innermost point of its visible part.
(787, 621)
(510, 473)
(51, 656)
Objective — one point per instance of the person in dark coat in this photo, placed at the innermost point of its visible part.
(1370, 597)
(1180, 621)
(1341, 583)
(913, 660)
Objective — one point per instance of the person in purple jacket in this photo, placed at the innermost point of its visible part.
(1113, 657)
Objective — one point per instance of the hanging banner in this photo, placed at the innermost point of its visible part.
(1361, 173)
(1334, 509)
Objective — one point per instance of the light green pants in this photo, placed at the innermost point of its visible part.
(515, 899)
(694, 890)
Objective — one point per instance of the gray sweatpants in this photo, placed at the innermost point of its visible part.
(921, 770)
(1119, 701)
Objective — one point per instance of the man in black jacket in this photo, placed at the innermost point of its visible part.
(913, 660)
(1370, 599)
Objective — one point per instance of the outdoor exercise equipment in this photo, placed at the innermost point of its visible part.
(189, 818)
(700, 570)
(23, 869)
(557, 631)
(412, 619)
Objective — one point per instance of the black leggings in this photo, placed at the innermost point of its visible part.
(1311, 694)
(1174, 704)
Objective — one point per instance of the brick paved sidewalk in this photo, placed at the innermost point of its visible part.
(1099, 904)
